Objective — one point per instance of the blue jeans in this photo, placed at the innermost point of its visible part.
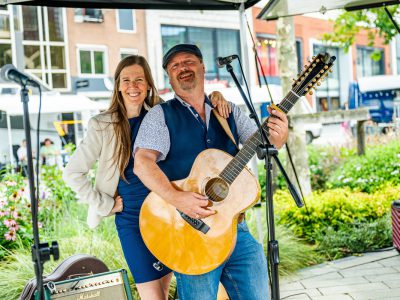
(244, 275)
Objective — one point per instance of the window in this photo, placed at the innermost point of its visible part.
(267, 52)
(44, 45)
(367, 65)
(5, 38)
(92, 61)
(328, 94)
(213, 42)
(94, 15)
(124, 52)
(126, 20)
(5, 32)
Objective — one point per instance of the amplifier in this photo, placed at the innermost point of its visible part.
(396, 224)
(103, 286)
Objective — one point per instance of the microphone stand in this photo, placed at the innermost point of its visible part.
(267, 151)
(41, 252)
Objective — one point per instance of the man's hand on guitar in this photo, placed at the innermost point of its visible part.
(192, 204)
(278, 128)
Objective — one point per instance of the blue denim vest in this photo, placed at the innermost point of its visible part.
(189, 136)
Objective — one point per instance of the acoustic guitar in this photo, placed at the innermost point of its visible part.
(191, 246)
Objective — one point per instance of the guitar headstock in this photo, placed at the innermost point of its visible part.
(313, 74)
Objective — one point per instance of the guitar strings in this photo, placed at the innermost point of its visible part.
(286, 104)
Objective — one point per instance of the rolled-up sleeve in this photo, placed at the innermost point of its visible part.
(245, 126)
(153, 133)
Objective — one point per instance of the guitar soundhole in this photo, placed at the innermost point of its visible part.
(217, 189)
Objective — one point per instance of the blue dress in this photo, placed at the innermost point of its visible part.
(143, 265)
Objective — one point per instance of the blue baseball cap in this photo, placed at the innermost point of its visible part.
(189, 48)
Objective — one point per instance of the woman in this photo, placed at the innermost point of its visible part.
(118, 190)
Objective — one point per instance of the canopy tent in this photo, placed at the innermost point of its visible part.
(275, 9)
(141, 4)
(384, 82)
(51, 103)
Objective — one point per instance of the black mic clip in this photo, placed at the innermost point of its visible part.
(222, 61)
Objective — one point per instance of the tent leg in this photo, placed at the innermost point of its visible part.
(10, 143)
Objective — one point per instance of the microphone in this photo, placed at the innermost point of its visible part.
(222, 61)
(10, 73)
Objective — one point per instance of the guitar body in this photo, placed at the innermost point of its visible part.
(175, 242)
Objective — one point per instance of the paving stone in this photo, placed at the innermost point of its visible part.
(383, 277)
(333, 297)
(392, 284)
(317, 283)
(391, 262)
(353, 288)
(358, 271)
(290, 286)
(311, 293)
(377, 294)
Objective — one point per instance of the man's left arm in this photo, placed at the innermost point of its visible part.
(277, 124)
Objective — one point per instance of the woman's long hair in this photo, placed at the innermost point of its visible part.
(122, 130)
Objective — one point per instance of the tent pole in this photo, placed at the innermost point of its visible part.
(10, 143)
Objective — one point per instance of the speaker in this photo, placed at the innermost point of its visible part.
(396, 224)
(104, 286)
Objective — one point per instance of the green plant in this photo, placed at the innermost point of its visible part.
(323, 161)
(294, 252)
(333, 209)
(355, 238)
(380, 165)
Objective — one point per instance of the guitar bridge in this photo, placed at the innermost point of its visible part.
(195, 223)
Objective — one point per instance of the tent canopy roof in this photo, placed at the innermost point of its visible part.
(140, 4)
(275, 9)
(379, 83)
(51, 103)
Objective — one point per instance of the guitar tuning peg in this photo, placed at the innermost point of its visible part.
(330, 70)
(318, 76)
(314, 80)
(309, 85)
(313, 57)
(305, 66)
(310, 92)
(322, 79)
(314, 65)
(317, 60)
(319, 83)
(326, 67)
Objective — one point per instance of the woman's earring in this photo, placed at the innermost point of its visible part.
(149, 93)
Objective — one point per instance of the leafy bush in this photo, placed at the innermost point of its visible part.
(323, 161)
(15, 206)
(380, 165)
(294, 252)
(333, 209)
(355, 238)
(15, 215)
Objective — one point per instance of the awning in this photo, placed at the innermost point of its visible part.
(140, 4)
(379, 83)
(275, 9)
(51, 103)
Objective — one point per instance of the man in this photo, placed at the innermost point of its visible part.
(170, 138)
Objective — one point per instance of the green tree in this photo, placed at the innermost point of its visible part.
(374, 21)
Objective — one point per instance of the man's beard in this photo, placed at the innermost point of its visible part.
(187, 85)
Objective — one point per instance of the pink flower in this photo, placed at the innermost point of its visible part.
(2, 213)
(16, 214)
(10, 223)
(10, 183)
(10, 236)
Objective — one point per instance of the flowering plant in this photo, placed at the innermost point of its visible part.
(15, 215)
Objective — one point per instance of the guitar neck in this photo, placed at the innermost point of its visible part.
(237, 164)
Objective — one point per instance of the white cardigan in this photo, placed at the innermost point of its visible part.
(99, 144)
